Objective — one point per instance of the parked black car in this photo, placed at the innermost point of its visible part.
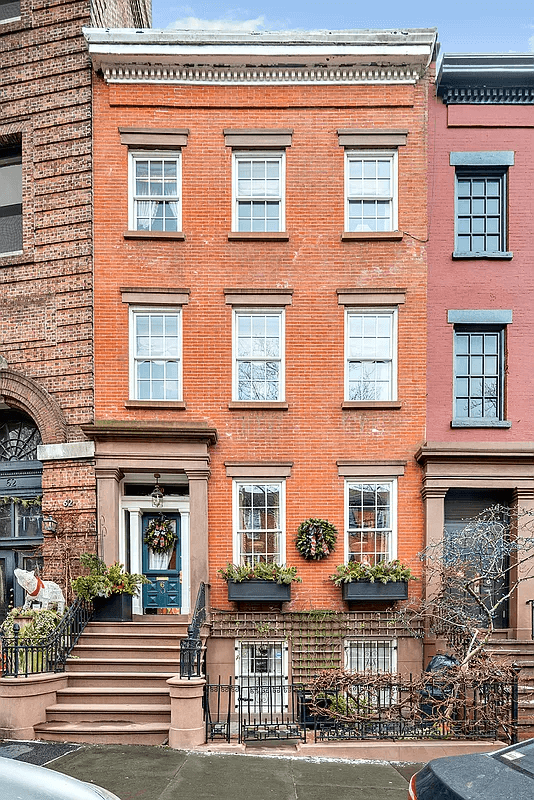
(506, 774)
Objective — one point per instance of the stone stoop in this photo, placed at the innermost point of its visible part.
(117, 691)
(520, 652)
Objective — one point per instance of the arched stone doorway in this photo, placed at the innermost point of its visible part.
(20, 502)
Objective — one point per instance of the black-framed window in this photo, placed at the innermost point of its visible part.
(479, 362)
(480, 219)
(10, 197)
(9, 9)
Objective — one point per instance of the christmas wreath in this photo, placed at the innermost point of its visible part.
(316, 538)
(159, 535)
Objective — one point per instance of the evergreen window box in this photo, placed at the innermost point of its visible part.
(258, 591)
(367, 592)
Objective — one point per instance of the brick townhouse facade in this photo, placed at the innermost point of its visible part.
(480, 434)
(260, 232)
(46, 369)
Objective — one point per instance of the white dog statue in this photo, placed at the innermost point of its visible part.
(39, 591)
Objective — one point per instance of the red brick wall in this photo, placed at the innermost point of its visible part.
(315, 432)
(480, 283)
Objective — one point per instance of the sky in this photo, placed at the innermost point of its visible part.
(464, 26)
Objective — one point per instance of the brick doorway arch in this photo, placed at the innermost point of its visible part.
(26, 395)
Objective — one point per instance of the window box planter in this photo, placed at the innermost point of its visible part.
(257, 591)
(115, 608)
(367, 592)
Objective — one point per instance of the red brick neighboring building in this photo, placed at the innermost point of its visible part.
(260, 320)
(480, 434)
(46, 368)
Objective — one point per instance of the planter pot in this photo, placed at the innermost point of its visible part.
(255, 591)
(115, 608)
(367, 592)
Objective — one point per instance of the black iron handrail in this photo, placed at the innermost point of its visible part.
(191, 650)
(21, 659)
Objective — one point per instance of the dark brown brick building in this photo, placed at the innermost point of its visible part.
(46, 369)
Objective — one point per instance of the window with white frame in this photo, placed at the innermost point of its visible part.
(261, 675)
(371, 521)
(258, 192)
(155, 189)
(370, 655)
(370, 354)
(258, 355)
(259, 522)
(371, 191)
(155, 340)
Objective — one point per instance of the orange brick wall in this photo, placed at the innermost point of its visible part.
(314, 432)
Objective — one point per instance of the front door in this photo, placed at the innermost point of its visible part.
(162, 570)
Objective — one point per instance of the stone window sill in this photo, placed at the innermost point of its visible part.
(480, 423)
(501, 255)
(177, 405)
(154, 235)
(383, 236)
(372, 404)
(258, 236)
(254, 405)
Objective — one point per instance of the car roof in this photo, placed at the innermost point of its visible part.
(21, 780)
(518, 756)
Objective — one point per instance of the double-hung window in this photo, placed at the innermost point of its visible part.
(156, 346)
(258, 192)
(259, 522)
(481, 181)
(10, 198)
(155, 191)
(370, 191)
(258, 355)
(371, 521)
(370, 354)
(479, 367)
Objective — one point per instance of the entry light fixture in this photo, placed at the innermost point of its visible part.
(49, 524)
(157, 492)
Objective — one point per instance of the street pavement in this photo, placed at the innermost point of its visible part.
(159, 773)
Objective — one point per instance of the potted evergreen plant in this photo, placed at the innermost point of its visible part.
(260, 582)
(362, 582)
(110, 588)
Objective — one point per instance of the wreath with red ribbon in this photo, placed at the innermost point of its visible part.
(160, 536)
(316, 538)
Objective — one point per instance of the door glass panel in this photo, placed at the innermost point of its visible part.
(5, 521)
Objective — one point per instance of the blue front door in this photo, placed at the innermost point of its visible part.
(162, 570)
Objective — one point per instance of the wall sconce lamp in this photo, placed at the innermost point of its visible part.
(49, 524)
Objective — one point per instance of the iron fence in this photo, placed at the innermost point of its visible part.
(21, 658)
(253, 713)
(402, 707)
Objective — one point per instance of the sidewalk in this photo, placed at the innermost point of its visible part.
(158, 773)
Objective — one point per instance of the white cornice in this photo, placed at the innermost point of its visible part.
(277, 58)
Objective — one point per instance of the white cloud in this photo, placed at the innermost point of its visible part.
(235, 26)
(531, 44)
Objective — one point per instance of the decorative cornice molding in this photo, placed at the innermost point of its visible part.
(487, 95)
(161, 73)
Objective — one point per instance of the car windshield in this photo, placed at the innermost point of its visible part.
(519, 756)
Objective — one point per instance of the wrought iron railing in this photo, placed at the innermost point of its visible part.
(191, 648)
(269, 711)
(22, 658)
(402, 708)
